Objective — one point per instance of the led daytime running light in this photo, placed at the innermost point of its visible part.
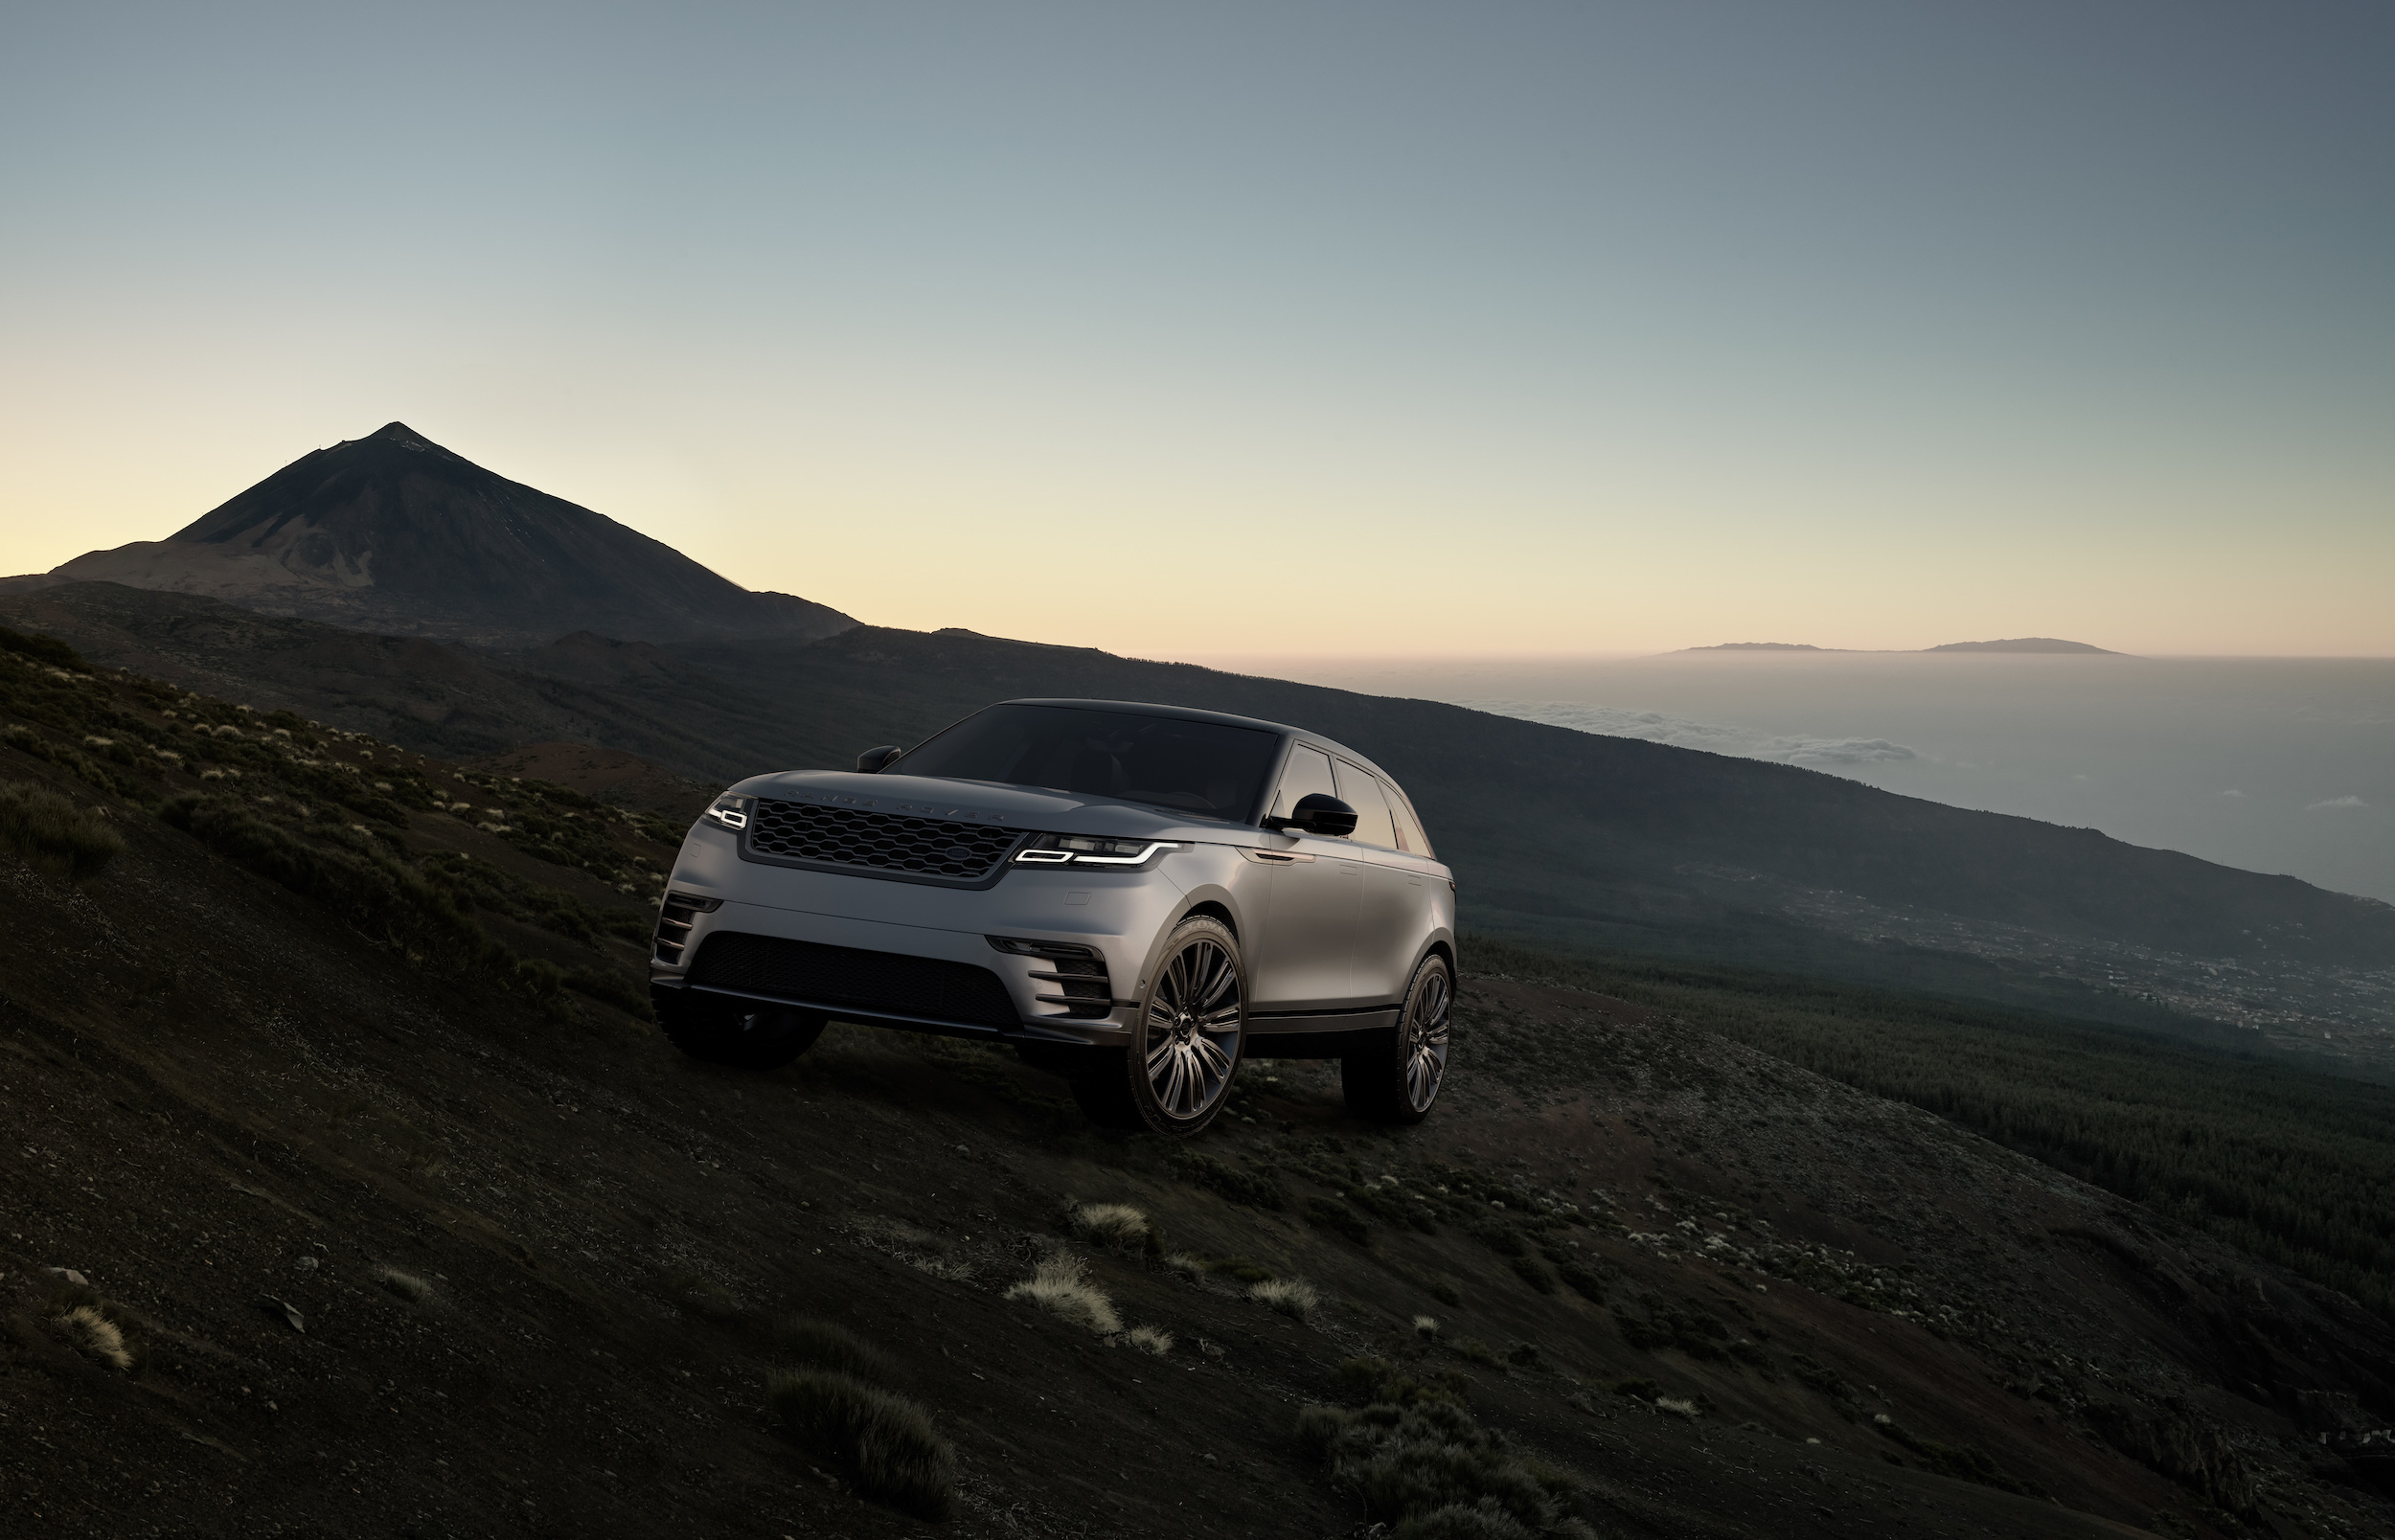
(1083, 850)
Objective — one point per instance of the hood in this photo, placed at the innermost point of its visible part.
(982, 802)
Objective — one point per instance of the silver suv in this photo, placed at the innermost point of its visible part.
(1138, 897)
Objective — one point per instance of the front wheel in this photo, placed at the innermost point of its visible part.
(726, 1033)
(1395, 1075)
(1187, 1042)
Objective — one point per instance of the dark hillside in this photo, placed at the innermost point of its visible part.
(381, 1218)
(2286, 1163)
(1561, 838)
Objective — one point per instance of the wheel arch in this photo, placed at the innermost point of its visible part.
(1215, 909)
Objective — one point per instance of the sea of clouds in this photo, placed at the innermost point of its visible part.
(1680, 732)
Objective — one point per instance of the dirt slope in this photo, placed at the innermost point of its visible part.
(222, 1100)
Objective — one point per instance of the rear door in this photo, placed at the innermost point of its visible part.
(1388, 921)
(1304, 957)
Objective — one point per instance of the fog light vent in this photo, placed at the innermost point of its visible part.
(675, 916)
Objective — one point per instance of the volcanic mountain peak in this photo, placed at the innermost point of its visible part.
(393, 533)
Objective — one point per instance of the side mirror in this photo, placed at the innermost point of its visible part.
(1318, 814)
(871, 762)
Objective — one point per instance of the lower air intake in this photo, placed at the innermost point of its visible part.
(890, 981)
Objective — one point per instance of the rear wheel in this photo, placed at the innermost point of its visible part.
(729, 1032)
(1187, 1042)
(1395, 1075)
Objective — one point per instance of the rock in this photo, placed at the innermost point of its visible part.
(286, 1311)
(70, 1276)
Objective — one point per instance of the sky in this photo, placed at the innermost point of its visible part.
(1335, 329)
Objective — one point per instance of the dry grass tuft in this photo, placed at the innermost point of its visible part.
(406, 1285)
(52, 835)
(1060, 1286)
(1118, 1225)
(96, 1335)
(892, 1451)
(1149, 1340)
(1293, 1297)
(1425, 1325)
(1677, 1407)
(1189, 1265)
(821, 1345)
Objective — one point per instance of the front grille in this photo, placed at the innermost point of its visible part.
(929, 850)
(890, 981)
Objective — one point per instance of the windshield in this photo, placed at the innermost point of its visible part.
(1197, 767)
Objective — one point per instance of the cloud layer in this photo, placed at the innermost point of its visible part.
(1745, 743)
(2336, 802)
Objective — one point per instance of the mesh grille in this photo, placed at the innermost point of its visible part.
(846, 976)
(931, 847)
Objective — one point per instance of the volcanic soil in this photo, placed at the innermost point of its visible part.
(1729, 1296)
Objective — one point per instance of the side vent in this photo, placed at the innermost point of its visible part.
(674, 918)
(1083, 987)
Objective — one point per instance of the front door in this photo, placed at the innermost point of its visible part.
(1303, 959)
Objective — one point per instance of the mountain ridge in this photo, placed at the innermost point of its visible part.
(395, 535)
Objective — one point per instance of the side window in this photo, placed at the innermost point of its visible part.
(1409, 835)
(1362, 793)
(1308, 770)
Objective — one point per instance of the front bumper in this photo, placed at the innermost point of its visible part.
(853, 931)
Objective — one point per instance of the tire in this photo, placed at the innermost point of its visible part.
(1394, 1077)
(1187, 1042)
(722, 1032)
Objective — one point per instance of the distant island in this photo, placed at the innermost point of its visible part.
(2018, 644)
(2023, 643)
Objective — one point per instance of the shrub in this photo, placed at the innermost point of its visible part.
(1376, 1382)
(1961, 1461)
(821, 1345)
(1584, 1282)
(1291, 1297)
(1437, 1472)
(406, 1285)
(1149, 1340)
(1484, 1520)
(1117, 1225)
(888, 1444)
(1425, 1325)
(96, 1335)
(1502, 1238)
(1448, 1295)
(1533, 1272)
(47, 649)
(1062, 1287)
(52, 835)
(1338, 1218)
(1227, 1181)
(1241, 1269)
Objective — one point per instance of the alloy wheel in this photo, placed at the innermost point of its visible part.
(1426, 1039)
(1195, 1016)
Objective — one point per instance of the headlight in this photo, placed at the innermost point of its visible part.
(1088, 851)
(731, 812)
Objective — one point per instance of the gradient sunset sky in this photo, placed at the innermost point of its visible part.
(1385, 327)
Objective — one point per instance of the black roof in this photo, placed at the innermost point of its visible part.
(1188, 714)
